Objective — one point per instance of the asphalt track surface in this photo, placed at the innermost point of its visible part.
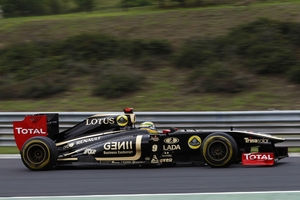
(16, 180)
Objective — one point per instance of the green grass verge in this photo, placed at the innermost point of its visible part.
(9, 150)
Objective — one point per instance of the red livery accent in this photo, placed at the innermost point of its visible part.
(31, 126)
(128, 110)
(260, 158)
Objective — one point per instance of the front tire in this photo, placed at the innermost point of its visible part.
(219, 150)
(39, 153)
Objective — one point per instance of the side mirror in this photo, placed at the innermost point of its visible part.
(166, 131)
(173, 129)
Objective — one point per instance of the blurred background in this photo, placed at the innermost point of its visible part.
(153, 55)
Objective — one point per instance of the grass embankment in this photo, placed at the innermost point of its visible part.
(164, 90)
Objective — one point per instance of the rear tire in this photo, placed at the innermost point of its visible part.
(219, 150)
(39, 153)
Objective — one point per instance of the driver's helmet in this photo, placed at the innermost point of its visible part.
(149, 126)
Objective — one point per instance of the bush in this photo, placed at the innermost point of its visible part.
(260, 32)
(265, 46)
(147, 63)
(270, 58)
(85, 5)
(114, 79)
(49, 65)
(294, 74)
(291, 32)
(138, 48)
(221, 80)
(18, 58)
(9, 88)
(22, 67)
(89, 46)
(218, 77)
(54, 65)
(48, 48)
(223, 48)
(44, 85)
(102, 47)
(39, 86)
(194, 53)
(264, 32)
(157, 47)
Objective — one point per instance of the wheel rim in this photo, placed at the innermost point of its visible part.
(36, 154)
(217, 150)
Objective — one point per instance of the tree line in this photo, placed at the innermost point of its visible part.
(17, 8)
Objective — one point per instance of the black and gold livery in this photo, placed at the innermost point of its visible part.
(114, 140)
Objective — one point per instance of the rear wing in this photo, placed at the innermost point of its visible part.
(46, 125)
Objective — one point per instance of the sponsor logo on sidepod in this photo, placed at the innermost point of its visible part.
(171, 140)
(250, 140)
(171, 147)
(194, 142)
(98, 121)
(89, 151)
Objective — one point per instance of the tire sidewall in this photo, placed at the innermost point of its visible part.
(49, 150)
(229, 144)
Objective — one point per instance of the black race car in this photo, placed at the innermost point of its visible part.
(115, 140)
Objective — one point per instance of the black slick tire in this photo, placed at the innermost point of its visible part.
(219, 150)
(39, 153)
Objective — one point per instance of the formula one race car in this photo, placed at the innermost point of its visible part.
(115, 140)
